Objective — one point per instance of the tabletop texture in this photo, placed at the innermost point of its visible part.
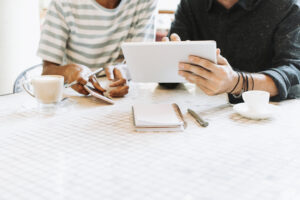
(88, 150)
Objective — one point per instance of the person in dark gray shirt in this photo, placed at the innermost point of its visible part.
(260, 40)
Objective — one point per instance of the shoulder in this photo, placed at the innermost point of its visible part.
(199, 5)
(281, 5)
(143, 5)
(285, 13)
(70, 7)
(295, 4)
(74, 4)
(146, 2)
(289, 2)
(278, 10)
(71, 1)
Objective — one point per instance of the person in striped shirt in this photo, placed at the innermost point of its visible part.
(79, 35)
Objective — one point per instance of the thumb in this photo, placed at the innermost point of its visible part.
(109, 73)
(175, 37)
(165, 39)
(221, 60)
(82, 81)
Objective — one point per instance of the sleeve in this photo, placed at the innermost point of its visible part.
(144, 29)
(181, 23)
(286, 61)
(54, 36)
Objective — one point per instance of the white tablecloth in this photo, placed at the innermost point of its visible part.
(88, 150)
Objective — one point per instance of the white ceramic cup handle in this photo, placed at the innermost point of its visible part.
(25, 84)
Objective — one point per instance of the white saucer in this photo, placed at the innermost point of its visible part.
(243, 110)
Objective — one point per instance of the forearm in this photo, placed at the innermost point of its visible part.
(69, 71)
(50, 68)
(255, 82)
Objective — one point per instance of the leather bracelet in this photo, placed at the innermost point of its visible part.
(236, 83)
(243, 86)
(244, 82)
(252, 81)
(247, 83)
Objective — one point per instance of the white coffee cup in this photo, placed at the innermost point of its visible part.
(256, 100)
(47, 89)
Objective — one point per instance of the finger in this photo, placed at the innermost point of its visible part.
(119, 91)
(117, 74)
(196, 70)
(96, 84)
(202, 83)
(221, 60)
(210, 66)
(82, 81)
(165, 39)
(120, 80)
(206, 90)
(118, 83)
(218, 51)
(175, 37)
(79, 88)
(109, 74)
(192, 78)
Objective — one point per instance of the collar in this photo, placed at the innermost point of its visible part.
(245, 4)
(249, 4)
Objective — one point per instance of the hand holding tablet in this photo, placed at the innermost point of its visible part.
(198, 62)
(158, 61)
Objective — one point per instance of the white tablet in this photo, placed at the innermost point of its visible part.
(158, 61)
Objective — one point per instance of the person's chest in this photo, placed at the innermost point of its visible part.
(93, 26)
(244, 37)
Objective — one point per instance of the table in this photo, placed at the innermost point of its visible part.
(103, 158)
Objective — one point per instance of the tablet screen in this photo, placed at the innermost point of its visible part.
(158, 61)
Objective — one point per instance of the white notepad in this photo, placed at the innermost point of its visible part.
(156, 117)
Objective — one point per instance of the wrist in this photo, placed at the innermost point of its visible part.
(234, 83)
(64, 71)
(68, 71)
(52, 69)
(246, 83)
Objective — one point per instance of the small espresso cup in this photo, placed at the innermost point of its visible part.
(256, 100)
(47, 89)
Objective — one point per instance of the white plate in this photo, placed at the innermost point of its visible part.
(266, 113)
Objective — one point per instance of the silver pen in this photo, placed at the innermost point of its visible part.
(198, 118)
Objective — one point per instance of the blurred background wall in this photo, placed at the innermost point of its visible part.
(19, 36)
